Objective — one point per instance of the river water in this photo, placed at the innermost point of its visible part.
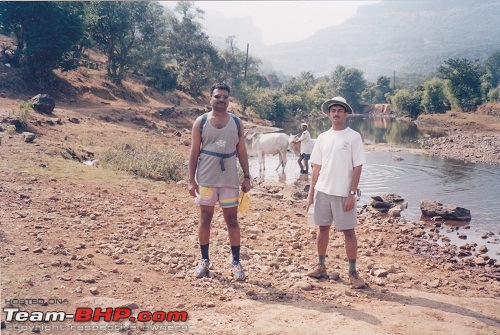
(415, 177)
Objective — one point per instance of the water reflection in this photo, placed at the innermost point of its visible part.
(455, 171)
(373, 129)
(282, 177)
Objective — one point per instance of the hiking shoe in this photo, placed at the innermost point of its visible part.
(201, 269)
(356, 280)
(319, 271)
(238, 271)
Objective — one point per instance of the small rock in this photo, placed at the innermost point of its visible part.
(483, 249)
(89, 279)
(381, 273)
(434, 283)
(418, 232)
(449, 267)
(334, 275)
(395, 212)
(28, 137)
(480, 261)
(303, 285)
(393, 268)
(379, 281)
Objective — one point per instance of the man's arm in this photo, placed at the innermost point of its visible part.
(243, 158)
(302, 137)
(350, 202)
(193, 157)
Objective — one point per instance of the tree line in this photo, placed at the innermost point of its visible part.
(169, 50)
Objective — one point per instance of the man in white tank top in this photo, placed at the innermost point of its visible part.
(337, 159)
(217, 139)
(306, 147)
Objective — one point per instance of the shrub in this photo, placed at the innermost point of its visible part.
(22, 113)
(493, 94)
(434, 97)
(10, 129)
(145, 161)
(407, 103)
(162, 78)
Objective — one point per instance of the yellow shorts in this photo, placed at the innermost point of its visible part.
(208, 196)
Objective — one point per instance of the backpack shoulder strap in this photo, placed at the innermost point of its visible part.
(203, 121)
(235, 118)
(238, 125)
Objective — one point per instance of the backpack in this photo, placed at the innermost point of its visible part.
(236, 120)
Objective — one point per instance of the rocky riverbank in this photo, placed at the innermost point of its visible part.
(465, 146)
(471, 137)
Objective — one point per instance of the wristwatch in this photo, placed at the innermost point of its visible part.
(247, 176)
(352, 192)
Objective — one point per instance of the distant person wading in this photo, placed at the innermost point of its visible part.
(306, 147)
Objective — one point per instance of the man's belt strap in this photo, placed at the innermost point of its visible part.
(221, 156)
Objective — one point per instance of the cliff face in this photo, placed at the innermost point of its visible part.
(402, 36)
(377, 109)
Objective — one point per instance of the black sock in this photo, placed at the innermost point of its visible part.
(204, 251)
(352, 266)
(235, 250)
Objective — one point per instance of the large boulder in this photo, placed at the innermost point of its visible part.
(433, 208)
(43, 103)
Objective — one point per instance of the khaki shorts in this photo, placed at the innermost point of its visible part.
(329, 209)
(208, 196)
(305, 156)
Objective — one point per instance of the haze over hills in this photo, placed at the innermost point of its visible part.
(402, 36)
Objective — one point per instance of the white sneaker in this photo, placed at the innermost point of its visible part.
(201, 269)
(238, 272)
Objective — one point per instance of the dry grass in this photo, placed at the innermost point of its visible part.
(71, 171)
(144, 160)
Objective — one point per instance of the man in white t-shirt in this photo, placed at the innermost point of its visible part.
(305, 149)
(337, 159)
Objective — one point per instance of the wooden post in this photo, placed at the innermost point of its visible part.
(246, 64)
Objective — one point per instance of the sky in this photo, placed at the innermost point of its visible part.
(286, 21)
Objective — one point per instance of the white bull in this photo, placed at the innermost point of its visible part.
(268, 144)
